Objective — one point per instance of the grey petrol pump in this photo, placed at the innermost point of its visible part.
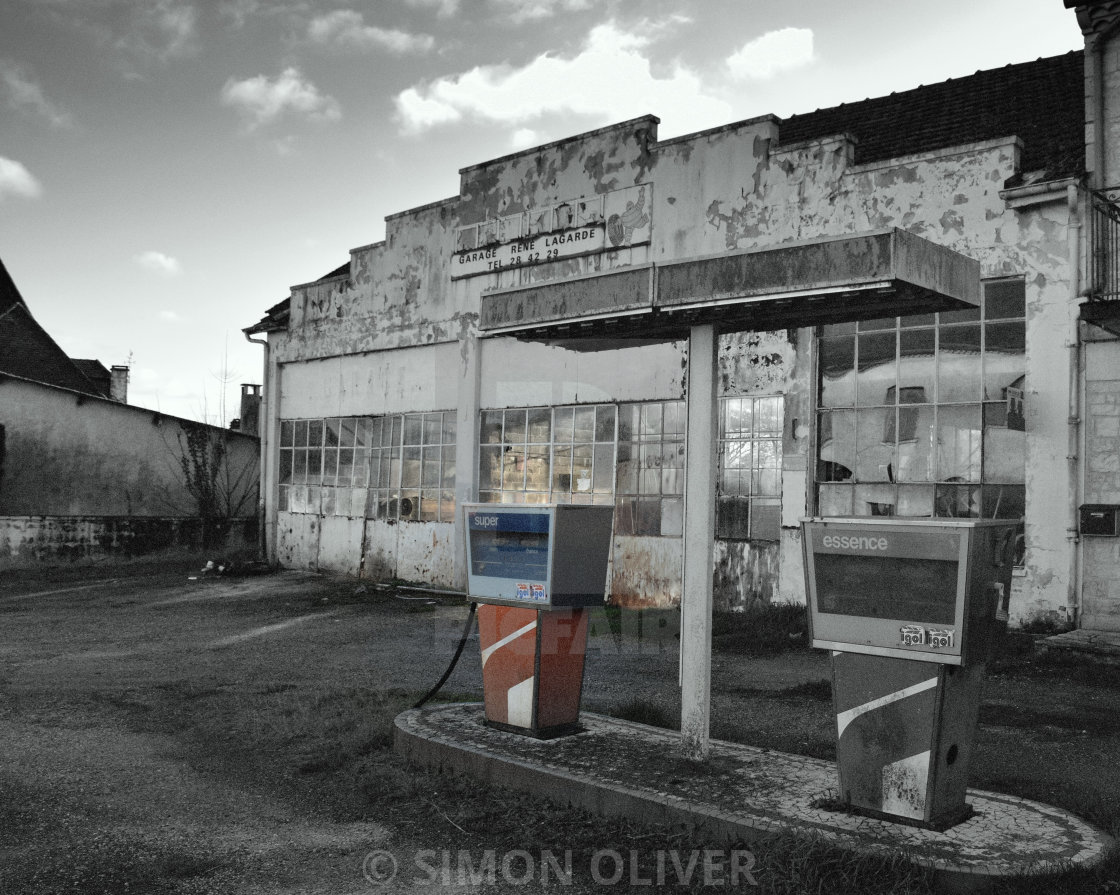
(911, 610)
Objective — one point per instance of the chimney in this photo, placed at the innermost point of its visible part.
(250, 409)
(118, 383)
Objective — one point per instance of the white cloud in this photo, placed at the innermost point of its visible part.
(346, 28)
(285, 146)
(773, 52)
(262, 100)
(23, 92)
(16, 180)
(609, 79)
(239, 11)
(531, 10)
(175, 22)
(524, 137)
(159, 263)
(444, 8)
(163, 29)
(169, 317)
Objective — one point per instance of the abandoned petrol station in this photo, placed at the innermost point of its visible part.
(901, 306)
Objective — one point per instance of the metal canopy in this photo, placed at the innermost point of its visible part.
(882, 273)
(1105, 314)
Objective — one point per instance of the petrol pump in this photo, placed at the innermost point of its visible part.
(911, 610)
(534, 570)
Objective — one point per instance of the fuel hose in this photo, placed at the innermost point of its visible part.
(454, 659)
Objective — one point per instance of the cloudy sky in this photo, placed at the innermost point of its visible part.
(168, 169)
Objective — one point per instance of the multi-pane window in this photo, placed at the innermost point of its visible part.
(749, 505)
(923, 415)
(650, 490)
(412, 467)
(547, 454)
(324, 465)
(391, 467)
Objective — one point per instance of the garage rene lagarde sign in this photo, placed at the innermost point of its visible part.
(584, 226)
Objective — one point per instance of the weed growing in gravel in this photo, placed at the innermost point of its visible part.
(643, 711)
(772, 629)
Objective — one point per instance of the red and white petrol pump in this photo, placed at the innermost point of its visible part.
(534, 569)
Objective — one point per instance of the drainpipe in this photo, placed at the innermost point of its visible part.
(1094, 47)
(1073, 595)
(264, 427)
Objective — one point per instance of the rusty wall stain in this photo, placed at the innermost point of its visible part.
(646, 572)
(746, 574)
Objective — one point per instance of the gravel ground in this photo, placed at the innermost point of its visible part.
(158, 733)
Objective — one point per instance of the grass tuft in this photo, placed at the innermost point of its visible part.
(777, 628)
(642, 711)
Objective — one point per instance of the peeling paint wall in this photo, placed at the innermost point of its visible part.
(398, 293)
(775, 194)
(596, 162)
(1100, 598)
(388, 335)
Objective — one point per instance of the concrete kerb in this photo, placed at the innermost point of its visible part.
(759, 793)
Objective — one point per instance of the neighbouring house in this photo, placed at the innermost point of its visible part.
(83, 474)
(916, 300)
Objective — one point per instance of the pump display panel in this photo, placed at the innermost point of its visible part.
(538, 556)
(510, 546)
(920, 589)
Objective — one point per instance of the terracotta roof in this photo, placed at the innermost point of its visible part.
(9, 294)
(276, 317)
(1042, 102)
(27, 350)
(96, 372)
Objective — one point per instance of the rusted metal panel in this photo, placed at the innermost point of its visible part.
(340, 544)
(746, 574)
(411, 551)
(379, 561)
(936, 268)
(823, 280)
(646, 572)
(297, 540)
(892, 258)
(426, 552)
(614, 292)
